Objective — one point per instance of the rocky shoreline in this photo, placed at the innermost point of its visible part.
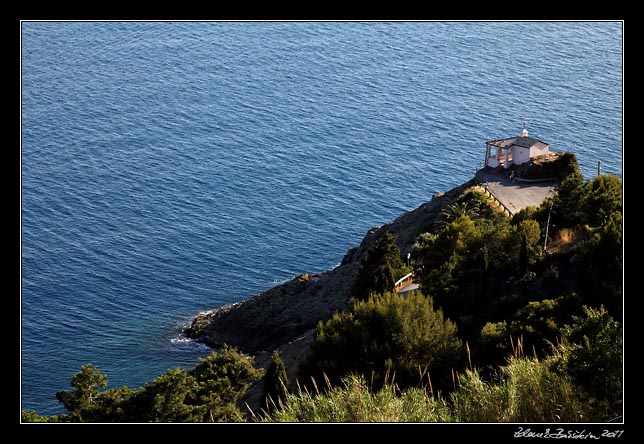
(285, 316)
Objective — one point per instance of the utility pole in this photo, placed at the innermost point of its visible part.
(599, 168)
(545, 241)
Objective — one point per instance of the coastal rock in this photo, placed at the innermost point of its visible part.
(285, 317)
(286, 312)
(277, 315)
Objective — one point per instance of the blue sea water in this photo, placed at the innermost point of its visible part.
(173, 167)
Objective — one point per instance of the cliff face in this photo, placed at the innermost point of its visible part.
(277, 315)
(288, 313)
(285, 317)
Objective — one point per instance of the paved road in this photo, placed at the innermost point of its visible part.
(514, 195)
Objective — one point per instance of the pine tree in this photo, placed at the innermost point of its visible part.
(275, 383)
(376, 274)
(81, 399)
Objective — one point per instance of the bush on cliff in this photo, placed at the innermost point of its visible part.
(579, 381)
(591, 355)
(385, 335)
(275, 384)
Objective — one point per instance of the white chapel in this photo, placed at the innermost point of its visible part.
(514, 150)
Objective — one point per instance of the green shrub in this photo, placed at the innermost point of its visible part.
(31, 416)
(598, 269)
(536, 325)
(602, 198)
(386, 334)
(526, 213)
(275, 383)
(593, 354)
(493, 344)
(222, 379)
(560, 167)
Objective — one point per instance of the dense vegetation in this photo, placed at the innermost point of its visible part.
(547, 280)
(524, 389)
(385, 335)
(207, 393)
(547, 168)
(517, 319)
(381, 268)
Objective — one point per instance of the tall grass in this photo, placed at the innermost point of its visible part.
(355, 402)
(529, 391)
(525, 390)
